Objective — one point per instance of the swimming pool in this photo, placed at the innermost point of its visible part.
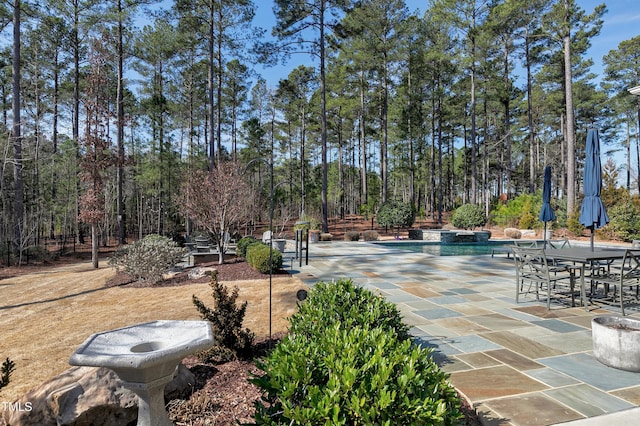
(448, 249)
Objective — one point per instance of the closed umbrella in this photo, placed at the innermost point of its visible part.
(593, 214)
(546, 213)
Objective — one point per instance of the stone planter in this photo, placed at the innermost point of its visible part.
(616, 342)
(279, 244)
(314, 236)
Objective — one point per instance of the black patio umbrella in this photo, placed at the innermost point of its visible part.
(593, 214)
(546, 213)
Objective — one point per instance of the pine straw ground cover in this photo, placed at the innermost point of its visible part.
(47, 313)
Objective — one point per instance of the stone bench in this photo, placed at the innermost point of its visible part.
(212, 256)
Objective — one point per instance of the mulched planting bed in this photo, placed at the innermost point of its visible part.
(232, 270)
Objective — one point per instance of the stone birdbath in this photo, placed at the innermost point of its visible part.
(145, 357)
(616, 342)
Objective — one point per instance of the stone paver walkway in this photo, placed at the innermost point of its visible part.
(518, 364)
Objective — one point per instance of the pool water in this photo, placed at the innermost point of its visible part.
(449, 249)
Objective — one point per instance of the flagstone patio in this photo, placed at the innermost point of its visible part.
(518, 364)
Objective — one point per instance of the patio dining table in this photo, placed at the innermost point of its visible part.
(583, 256)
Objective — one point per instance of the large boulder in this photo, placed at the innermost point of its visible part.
(87, 396)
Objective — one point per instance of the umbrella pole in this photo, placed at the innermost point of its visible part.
(592, 232)
(544, 236)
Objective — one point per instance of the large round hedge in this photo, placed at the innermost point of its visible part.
(396, 214)
(468, 216)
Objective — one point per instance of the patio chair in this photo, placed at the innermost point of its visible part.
(559, 244)
(620, 281)
(535, 274)
(526, 243)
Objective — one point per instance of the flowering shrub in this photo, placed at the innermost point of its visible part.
(149, 258)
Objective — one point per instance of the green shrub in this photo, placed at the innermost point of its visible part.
(38, 253)
(354, 376)
(243, 244)
(366, 210)
(370, 235)
(624, 220)
(5, 372)
(573, 223)
(348, 304)
(149, 258)
(258, 258)
(528, 221)
(337, 367)
(231, 341)
(396, 215)
(509, 215)
(352, 236)
(468, 216)
(305, 223)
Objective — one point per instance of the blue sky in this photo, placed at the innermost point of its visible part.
(621, 22)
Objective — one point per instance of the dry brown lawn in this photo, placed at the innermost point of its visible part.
(46, 315)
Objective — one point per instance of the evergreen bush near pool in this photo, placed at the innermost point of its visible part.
(258, 258)
(370, 235)
(396, 214)
(468, 216)
(625, 220)
(352, 236)
(346, 362)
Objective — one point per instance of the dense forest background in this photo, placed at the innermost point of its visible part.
(103, 121)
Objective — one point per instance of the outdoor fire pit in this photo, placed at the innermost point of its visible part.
(145, 356)
(616, 342)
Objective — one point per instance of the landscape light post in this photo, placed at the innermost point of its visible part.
(636, 92)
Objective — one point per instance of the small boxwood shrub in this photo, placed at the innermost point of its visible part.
(258, 258)
(370, 235)
(468, 216)
(340, 370)
(243, 244)
(352, 236)
(147, 259)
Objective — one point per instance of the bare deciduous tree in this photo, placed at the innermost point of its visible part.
(217, 201)
(97, 157)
